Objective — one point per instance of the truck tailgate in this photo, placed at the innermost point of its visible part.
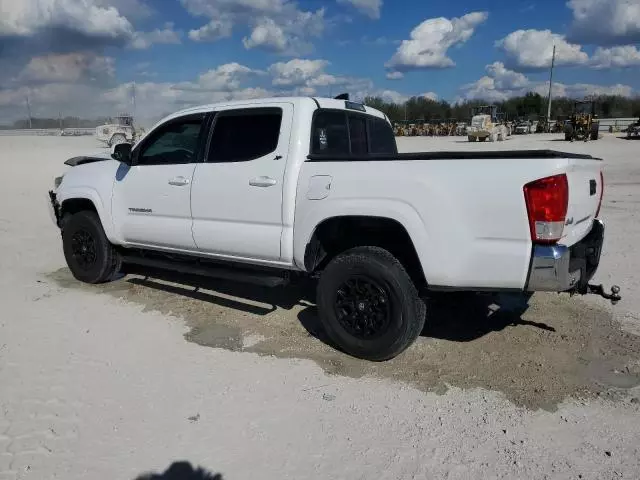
(585, 193)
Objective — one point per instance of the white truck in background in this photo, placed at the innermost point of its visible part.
(266, 190)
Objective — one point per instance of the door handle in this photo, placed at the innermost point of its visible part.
(262, 182)
(179, 181)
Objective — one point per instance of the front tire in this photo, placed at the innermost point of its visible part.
(368, 304)
(89, 254)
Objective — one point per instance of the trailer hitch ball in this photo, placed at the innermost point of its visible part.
(614, 296)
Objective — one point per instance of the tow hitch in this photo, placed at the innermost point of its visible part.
(614, 296)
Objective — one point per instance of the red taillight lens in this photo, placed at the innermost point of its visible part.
(547, 201)
(601, 193)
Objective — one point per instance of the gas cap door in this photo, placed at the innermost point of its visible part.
(319, 187)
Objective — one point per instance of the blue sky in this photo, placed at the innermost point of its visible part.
(83, 56)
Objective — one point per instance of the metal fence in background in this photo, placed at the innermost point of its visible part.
(71, 132)
(618, 124)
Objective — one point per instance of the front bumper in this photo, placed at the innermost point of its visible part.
(558, 268)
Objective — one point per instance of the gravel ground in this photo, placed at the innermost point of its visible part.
(114, 381)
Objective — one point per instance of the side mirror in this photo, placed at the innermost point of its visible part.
(122, 153)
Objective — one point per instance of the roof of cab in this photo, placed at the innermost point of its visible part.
(310, 101)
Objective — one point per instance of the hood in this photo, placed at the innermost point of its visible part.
(81, 160)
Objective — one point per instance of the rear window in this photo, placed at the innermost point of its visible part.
(330, 134)
(336, 132)
(358, 135)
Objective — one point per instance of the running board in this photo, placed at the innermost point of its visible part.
(241, 275)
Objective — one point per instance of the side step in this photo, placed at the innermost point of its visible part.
(234, 274)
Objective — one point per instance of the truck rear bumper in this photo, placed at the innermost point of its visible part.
(558, 268)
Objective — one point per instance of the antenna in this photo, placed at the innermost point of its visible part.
(553, 62)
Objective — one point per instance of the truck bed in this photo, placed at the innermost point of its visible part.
(465, 211)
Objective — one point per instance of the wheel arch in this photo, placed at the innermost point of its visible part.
(339, 233)
(81, 199)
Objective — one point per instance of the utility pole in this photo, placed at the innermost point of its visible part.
(133, 98)
(29, 111)
(553, 62)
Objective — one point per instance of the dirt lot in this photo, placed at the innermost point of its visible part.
(113, 381)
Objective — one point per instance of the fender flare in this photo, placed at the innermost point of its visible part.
(87, 193)
(392, 209)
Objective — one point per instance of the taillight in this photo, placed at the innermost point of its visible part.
(547, 202)
(601, 193)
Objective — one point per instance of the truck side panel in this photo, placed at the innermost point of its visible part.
(467, 218)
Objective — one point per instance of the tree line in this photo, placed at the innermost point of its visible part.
(532, 105)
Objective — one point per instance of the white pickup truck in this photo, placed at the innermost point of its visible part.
(266, 190)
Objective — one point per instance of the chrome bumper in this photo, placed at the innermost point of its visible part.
(558, 268)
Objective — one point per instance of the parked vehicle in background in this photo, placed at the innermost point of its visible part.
(321, 191)
(633, 130)
(523, 127)
(543, 125)
(485, 125)
(584, 123)
(120, 130)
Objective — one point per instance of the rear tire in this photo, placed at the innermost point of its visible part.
(368, 304)
(89, 254)
(472, 138)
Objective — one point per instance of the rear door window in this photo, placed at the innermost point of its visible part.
(245, 135)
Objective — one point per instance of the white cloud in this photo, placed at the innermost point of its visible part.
(431, 96)
(581, 90)
(431, 40)
(68, 68)
(309, 74)
(224, 78)
(268, 35)
(214, 30)
(533, 49)
(605, 22)
(166, 35)
(276, 25)
(63, 25)
(506, 79)
(395, 75)
(501, 84)
(24, 18)
(370, 8)
(136, 9)
(390, 96)
(616, 57)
